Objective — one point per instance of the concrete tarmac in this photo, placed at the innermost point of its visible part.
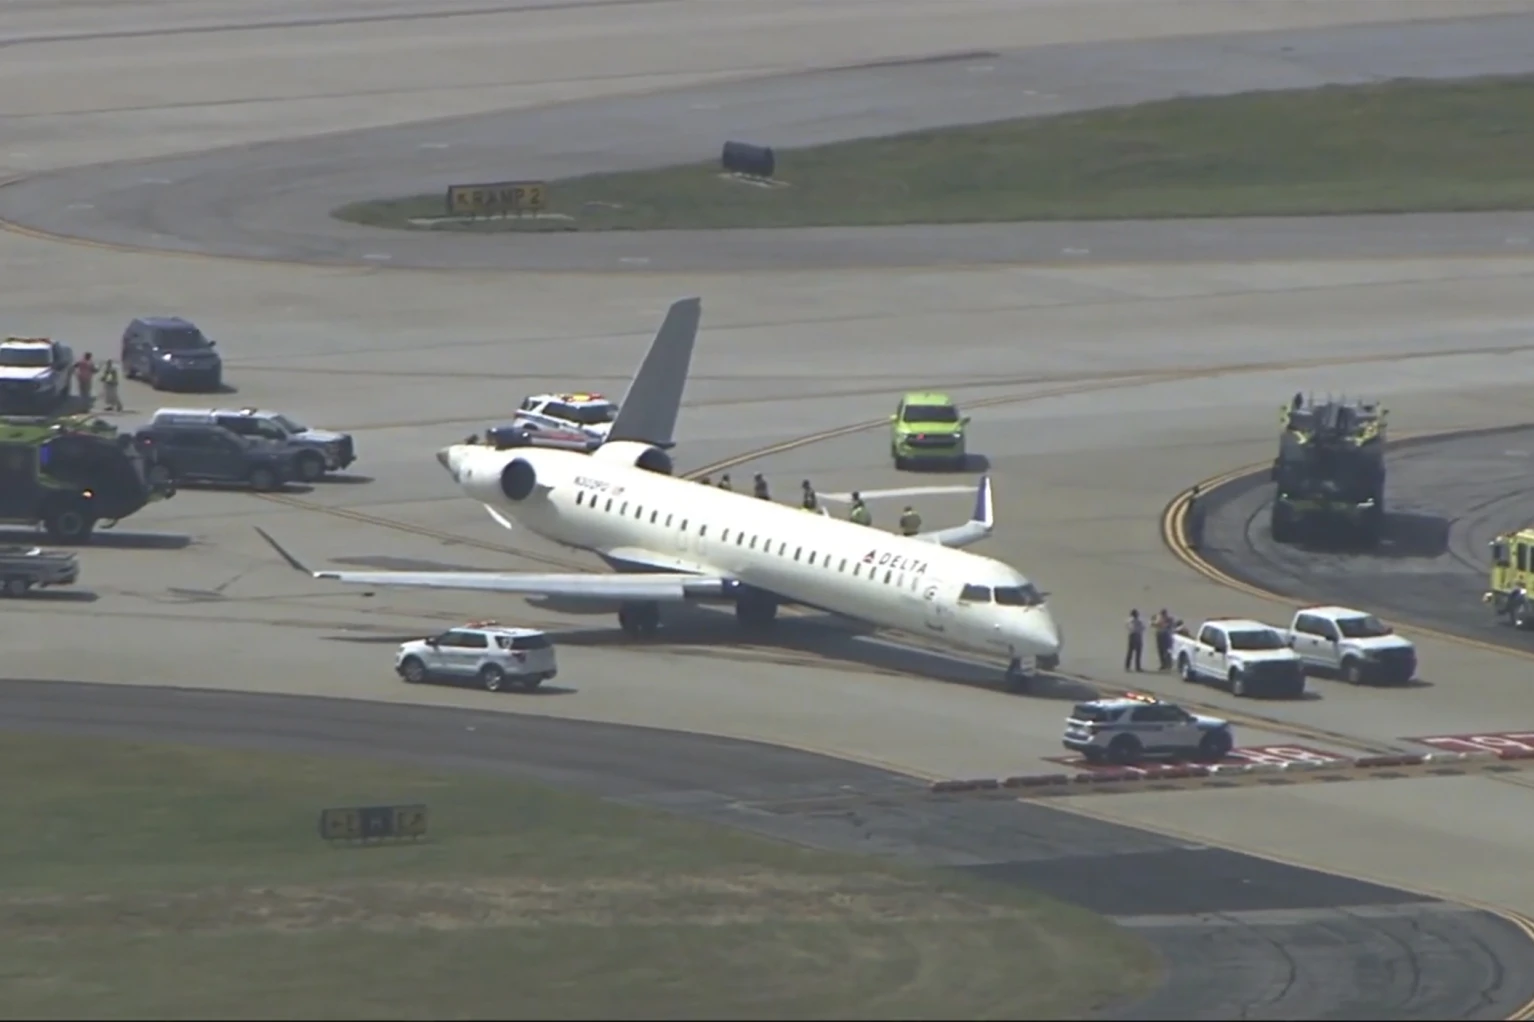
(1098, 392)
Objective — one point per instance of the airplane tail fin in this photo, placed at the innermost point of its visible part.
(982, 519)
(649, 410)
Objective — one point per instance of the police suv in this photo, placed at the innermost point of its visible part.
(1133, 727)
(591, 414)
(316, 451)
(482, 652)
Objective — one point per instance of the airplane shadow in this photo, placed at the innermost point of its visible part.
(104, 538)
(825, 637)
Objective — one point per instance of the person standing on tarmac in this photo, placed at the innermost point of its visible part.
(1136, 641)
(85, 376)
(759, 487)
(1162, 624)
(724, 482)
(910, 521)
(859, 514)
(707, 481)
(808, 501)
(109, 381)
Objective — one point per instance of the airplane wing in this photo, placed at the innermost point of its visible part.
(981, 521)
(660, 587)
(649, 410)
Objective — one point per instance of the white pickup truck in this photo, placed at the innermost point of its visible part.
(1247, 657)
(1356, 646)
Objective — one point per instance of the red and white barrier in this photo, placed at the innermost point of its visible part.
(1152, 773)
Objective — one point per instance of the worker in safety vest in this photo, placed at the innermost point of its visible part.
(724, 482)
(808, 501)
(910, 521)
(859, 513)
(759, 487)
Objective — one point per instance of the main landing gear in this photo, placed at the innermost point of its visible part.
(639, 619)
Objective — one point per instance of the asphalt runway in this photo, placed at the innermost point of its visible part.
(1445, 500)
(272, 201)
(1240, 935)
(1100, 388)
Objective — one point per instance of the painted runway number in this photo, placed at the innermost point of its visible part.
(1499, 741)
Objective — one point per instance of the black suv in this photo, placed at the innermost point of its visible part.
(170, 352)
(213, 454)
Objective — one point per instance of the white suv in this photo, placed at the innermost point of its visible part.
(1131, 728)
(482, 652)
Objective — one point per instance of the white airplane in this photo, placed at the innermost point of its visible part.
(673, 541)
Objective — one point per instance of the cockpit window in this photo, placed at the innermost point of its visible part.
(976, 594)
(1025, 595)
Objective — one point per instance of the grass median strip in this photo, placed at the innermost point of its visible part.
(1400, 146)
(169, 882)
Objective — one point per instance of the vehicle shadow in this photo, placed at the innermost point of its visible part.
(972, 463)
(345, 478)
(1408, 534)
(61, 596)
(105, 538)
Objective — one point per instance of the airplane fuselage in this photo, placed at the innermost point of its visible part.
(767, 552)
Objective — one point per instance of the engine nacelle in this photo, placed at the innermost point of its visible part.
(643, 456)
(518, 479)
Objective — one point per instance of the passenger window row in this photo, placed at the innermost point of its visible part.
(585, 498)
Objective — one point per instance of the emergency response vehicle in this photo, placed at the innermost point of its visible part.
(1512, 576)
(1134, 727)
(481, 652)
(1330, 472)
(927, 428)
(68, 474)
(588, 413)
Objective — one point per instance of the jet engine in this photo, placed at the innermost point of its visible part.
(642, 456)
(518, 479)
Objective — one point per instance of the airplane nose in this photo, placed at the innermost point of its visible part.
(1041, 632)
(451, 458)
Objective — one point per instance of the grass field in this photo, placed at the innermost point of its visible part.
(180, 883)
(1394, 147)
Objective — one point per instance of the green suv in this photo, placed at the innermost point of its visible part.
(927, 427)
